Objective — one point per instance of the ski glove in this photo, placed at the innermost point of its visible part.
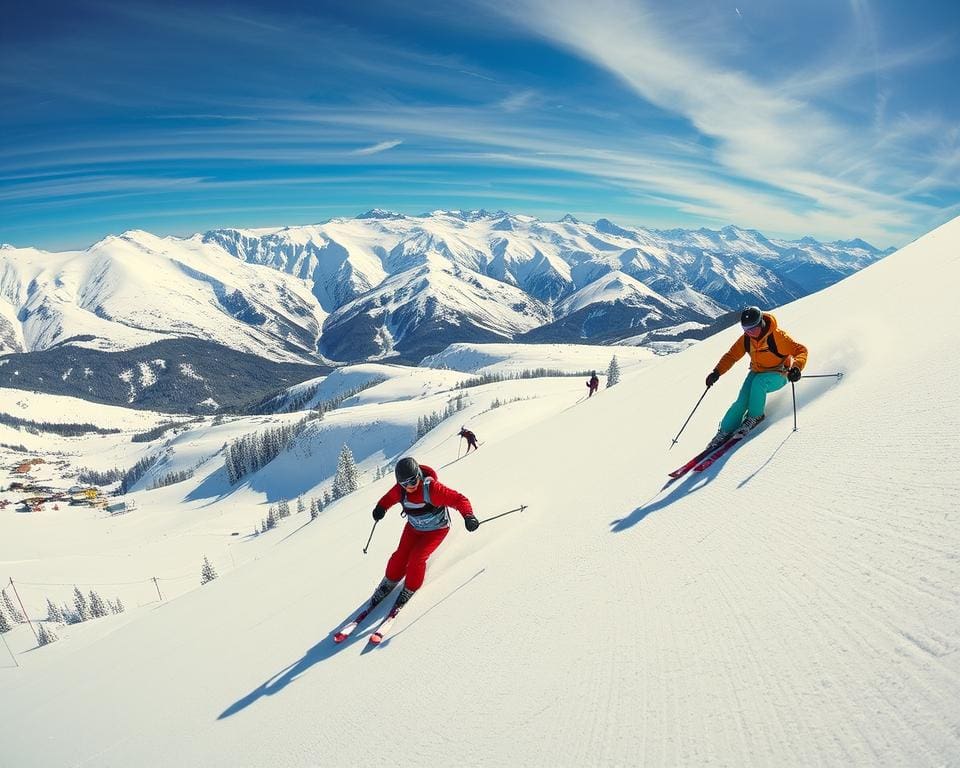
(471, 523)
(712, 378)
(378, 513)
(794, 374)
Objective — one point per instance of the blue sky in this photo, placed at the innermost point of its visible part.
(831, 118)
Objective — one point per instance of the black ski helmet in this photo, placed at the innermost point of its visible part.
(407, 471)
(751, 317)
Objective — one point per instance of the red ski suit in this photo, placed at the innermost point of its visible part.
(418, 543)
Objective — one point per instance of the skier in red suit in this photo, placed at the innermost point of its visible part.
(425, 501)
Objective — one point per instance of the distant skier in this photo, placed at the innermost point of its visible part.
(471, 439)
(593, 384)
(425, 501)
(775, 358)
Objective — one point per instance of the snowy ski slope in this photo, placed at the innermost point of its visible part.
(798, 604)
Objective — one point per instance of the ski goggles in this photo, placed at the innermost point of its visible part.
(410, 482)
(754, 330)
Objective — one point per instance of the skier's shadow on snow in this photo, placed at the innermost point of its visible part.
(683, 487)
(319, 652)
(323, 650)
(459, 458)
(582, 399)
(394, 635)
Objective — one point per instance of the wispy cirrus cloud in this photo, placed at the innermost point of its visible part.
(767, 132)
(375, 149)
(681, 111)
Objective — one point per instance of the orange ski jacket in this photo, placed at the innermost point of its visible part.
(768, 354)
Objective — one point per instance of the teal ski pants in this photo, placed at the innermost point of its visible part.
(752, 398)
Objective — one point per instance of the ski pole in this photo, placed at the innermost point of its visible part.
(15, 662)
(837, 375)
(518, 509)
(459, 446)
(371, 535)
(793, 387)
(689, 417)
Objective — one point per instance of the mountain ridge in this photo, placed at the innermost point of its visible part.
(318, 291)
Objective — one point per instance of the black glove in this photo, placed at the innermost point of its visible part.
(471, 523)
(378, 513)
(712, 378)
(793, 374)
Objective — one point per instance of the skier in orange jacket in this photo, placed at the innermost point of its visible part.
(775, 358)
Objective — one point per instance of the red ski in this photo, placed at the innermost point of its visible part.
(717, 454)
(348, 629)
(681, 471)
(734, 438)
(377, 637)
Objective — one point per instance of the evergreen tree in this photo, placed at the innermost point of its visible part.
(4, 622)
(54, 613)
(69, 614)
(613, 372)
(97, 608)
(229, 462)
(301, 507)
(272, 519)
(327, 497)
(314, 509)
(207, 573)
(347, 478)
(283, 509)
(15, 615)
(119, 606)
(80, 603)
(45, 636)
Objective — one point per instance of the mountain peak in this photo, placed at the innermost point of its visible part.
(136, 234)
(474, 215)
(732, 230)
(380, 213)
(609, 228)
(569, 219)
(856, 243)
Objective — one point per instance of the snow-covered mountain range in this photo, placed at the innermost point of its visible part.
(794, 604)
(384, 284)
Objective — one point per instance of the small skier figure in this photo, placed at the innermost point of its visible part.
(425, 501)
(471, 439)
(775, 358)
(593, 384)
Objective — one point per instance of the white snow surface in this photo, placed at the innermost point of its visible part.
(60, 409)
(513, 359)
(797, 604)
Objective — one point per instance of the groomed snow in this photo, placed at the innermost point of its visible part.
(795, 605)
